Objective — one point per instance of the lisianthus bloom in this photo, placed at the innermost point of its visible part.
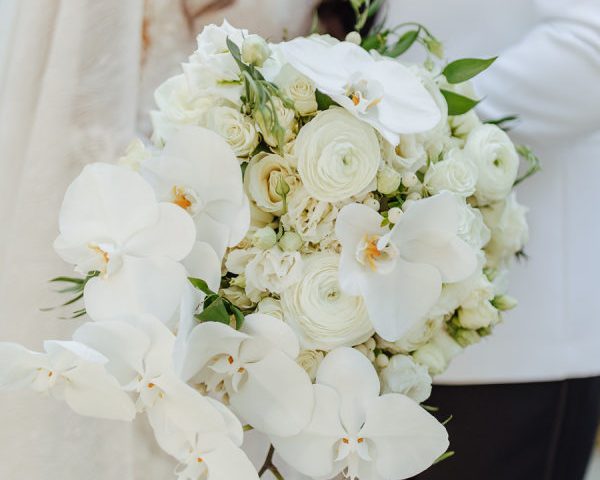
(400, 272)
(379, 91)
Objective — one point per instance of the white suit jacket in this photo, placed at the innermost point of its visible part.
(549, 73)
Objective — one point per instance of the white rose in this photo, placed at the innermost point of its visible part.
(238, 297)
(272, 271)
(419, 335)
(404, 376)
(264, 173)
(177, 107)
(338, 155)
(437, 354)
(298, 88)
(510, 232)
(408, 156)
(321, 314)
(471, 227)
(462, 125)
(478, 316)
(455, 173)
(286, 118)
(456, 294)
(497, 162)
(237, 129)
(312, 219)
(270, 306)
(212, 70)
(310, 360)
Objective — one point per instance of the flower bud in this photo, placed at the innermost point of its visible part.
(255, 50)
(409, 179)
(414, 196)
(372, 203)
(382, 360)
(432, 357)
(388, 180)
(290, 242)
(264, 238)
(354, 37)
(504, 302)
(371, 344)
(465, 337)
(394, 214)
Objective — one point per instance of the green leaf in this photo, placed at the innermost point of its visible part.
(323, 101)
(503, 122)
(201, 285)
(374, 42)
(403, 44)
(67, 280)
(533, 163)
(239, 316)
(215, 312)
(443, 457)
(466, 68)
(458, 104)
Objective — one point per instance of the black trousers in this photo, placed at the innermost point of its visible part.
(532, 431)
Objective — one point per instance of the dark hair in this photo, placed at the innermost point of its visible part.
(338, 18)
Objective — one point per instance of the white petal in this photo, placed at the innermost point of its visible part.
(407, 107)
(280, 383)
(159, 358)
(106, 202)
(172, 236)
(407, 439)
(91, 391)
(142, 285)
(63, 354)
(241, 223)
(436, 213)
(278, 333)
(311, 452)
(354, 221)
(455, 259)
(207, 340)
(203, 262)
(399, 299)
(19, 365)
(214, 233)
(354, 378)
(227, 462)
(124, 345)
(232, 423)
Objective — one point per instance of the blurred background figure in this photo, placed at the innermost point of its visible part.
(76, 84)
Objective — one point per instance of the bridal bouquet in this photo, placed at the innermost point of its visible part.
(315, 231)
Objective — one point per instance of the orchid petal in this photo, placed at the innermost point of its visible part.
(91, 391)
(407, 439)
(278, 333)
(172, 236)
(213, 232)
(233, 426)
(106, 202)
(203, 262)
(142, 285)
(227, 463)
(311, 452)
(19, 365)
(276, 397)
(351, 374)
(205, 342)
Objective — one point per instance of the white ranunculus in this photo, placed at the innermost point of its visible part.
(271, 270)
(379, 91)
(299, 89)
(212, 70)
(177, 107)
(321, 314)
(237, 129)
(510, 232)
(455, 173)
(262, 180)
(338, 155)
(497, 161)
(312, 219)
(403, 375)
(310, 360)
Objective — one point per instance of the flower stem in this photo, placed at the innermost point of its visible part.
(270, 466)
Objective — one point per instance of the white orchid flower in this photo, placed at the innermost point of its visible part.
(70, 371)
(379, 91)
(256, 367)
(356, 432)
(400, 272)
(110, 222)
(198, 171)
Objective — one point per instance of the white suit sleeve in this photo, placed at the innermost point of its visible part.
(551, 78)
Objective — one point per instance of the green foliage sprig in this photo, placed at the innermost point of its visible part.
(216, 308)
(75, 286)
